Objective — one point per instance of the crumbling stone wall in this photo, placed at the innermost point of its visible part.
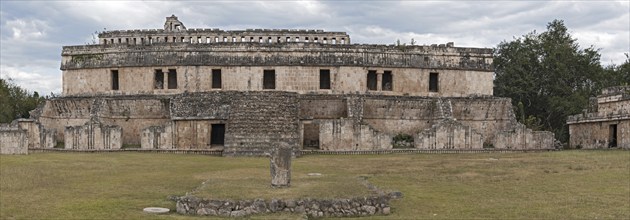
(93, 135)
(449, 134)
(256, 121)
(313, 208)
(435, 123)
(13, 140)
(523, 138)
(158, 137)
(345, 134)
(131, 113)
(38, 136)
(596, 135)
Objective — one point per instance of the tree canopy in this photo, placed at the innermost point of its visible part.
(16, 102)
(549, 77)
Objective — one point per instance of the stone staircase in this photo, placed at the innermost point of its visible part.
(259, 121)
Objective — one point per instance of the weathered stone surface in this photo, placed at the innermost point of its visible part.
(13, 140)
(605, 124)
(280, 161)
(158, 87)
(360, 206)
(93, 135)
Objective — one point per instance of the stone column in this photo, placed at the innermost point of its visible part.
(281, 167)
(379, 80)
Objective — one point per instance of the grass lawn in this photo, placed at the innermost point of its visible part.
(551, 185)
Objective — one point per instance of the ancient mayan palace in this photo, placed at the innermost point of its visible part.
(246, 91)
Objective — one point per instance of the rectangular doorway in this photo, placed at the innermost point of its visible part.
(311, 136)
(613, 136)
(217, 135)
(269, 79)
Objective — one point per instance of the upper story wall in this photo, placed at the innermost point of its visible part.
(285, 54)
(126, 66)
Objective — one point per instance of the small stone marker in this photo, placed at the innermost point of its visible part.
(156, 210)
(281, 167)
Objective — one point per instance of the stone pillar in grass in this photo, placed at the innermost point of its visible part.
(281, 167)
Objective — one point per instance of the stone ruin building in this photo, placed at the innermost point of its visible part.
(246, 91)
(605, 123)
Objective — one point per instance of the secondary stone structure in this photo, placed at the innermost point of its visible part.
(605, 123)
(249, 91)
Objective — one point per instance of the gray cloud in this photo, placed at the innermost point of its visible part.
(33, 32)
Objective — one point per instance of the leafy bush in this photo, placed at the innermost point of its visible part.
(402, 141)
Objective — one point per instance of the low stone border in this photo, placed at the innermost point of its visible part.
(174, 151)
(353, 207)
(420, 151)
(303, 152)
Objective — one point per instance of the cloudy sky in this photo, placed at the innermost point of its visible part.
(33, 32)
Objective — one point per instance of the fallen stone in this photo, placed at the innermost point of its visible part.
(395, 195)
(156, 210)
(314, 174)
(386, 210)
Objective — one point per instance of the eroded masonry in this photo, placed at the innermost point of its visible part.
(605, 123)
(246, 91)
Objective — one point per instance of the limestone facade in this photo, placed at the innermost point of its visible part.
(605, 124)
(221, 89)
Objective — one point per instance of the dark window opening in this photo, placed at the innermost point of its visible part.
(433, 82)
(311, 136)
(371, 80)
(172, 79)
(613, 136)
(269, 79)
(324, 79)
(217, 135)
(216, 78)
(158, 82)
(387, 83)
(114, 79)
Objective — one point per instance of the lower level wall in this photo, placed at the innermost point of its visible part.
(345, 134)
(523, 138)
(13, 140)
(449, 134)
(158, 137)
(254, 122)
(93, 136)
(597, 135)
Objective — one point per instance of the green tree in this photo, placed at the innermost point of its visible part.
(16, 102)
(551, 77)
